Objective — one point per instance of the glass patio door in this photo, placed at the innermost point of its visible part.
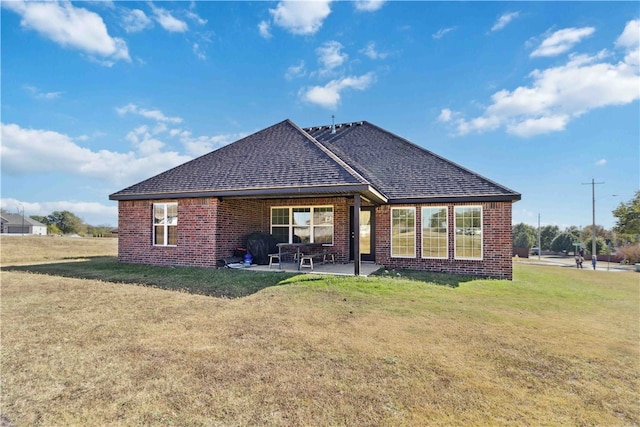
(366, 234)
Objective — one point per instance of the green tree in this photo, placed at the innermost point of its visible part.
(53, 229)
(628, 219)
(574, 231)
(563, 242)
(585, 234)
(602, 236)
(66, 222)
(524, 236)
(42, 219)
(601, 244)
(547, 234)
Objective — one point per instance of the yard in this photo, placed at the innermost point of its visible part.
(556, 346)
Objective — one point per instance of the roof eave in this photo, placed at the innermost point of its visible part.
(315, 191)
(458, 199)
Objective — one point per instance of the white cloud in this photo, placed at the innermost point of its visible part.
(135, 20)
(27, 151)
(265, 29)
(195, 17)
(149, 114)
(295, 71)
(371, 52)
(441, 32)
(168, 21)
(630, 39)
(198, 146)
(90, 212)
(71, 27)
(330, 56)
(536, 126)
(445, 115)
(328, 96)
(561, 41)
(558, 95)
(504, 20)
(368, 5)
(37, 94)
(601, 162)
(301, 17)
(197, 51)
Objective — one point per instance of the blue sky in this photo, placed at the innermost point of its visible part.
(538, 96)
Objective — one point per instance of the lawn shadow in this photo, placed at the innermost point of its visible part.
(222, 283)
(432, 278)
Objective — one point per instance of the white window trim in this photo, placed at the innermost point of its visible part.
(422, 218)
(455, 247)
(291, 226)
(414, 233)
(165, 225)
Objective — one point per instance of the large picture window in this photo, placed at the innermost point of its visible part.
(435, 232)
(165, 224)
(312, 224)
(468, 238)
(403, 232)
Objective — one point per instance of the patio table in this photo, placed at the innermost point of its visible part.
(297, 247)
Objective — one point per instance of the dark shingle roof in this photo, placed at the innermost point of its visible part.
(18, 219)
(286, 160)
(274, 159)
(402, 170)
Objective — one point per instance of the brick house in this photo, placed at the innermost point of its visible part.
(410, 207)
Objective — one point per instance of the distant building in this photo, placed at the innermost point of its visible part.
(17, 224)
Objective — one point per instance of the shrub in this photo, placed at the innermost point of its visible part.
(629, 252)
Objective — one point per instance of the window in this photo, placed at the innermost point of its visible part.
(468, 238)
(302, 224)
(435, 232)
(403, 232)
(165, 224)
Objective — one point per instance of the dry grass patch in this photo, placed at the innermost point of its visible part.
(27, 249)
(554, 347)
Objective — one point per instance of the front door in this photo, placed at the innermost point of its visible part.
(366, 234)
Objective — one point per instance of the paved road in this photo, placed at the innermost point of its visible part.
(570, 262)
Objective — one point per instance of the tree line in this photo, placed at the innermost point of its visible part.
(623, 239)
(65, 222)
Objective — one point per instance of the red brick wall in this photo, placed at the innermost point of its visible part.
(496, 261)
(209, 229)
(197, 220)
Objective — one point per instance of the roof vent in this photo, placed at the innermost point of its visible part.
(333, 124)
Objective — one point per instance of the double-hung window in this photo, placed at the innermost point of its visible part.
(165, 224)
(403, 232)
(312, 224)
(435, 232)
(468, 238)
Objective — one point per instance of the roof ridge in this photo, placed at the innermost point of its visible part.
(334, 156)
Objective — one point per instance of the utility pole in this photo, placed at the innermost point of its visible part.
(22, 206)
(539, 245)
(593, 209)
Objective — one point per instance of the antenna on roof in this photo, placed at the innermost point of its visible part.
(333, 124)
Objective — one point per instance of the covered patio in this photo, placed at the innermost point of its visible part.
(337, 269)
